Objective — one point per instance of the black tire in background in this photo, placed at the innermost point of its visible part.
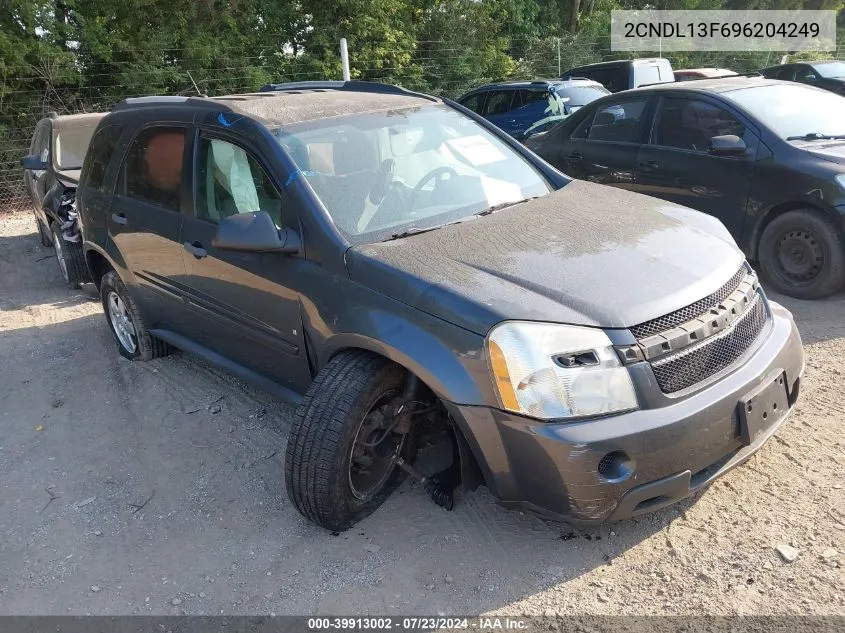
(70, 257)
(144, 346)
(802, 254)
(319, 451)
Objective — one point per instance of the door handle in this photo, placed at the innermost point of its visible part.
(118, 218)
(574, 156)
(195, 249)
(647, 165)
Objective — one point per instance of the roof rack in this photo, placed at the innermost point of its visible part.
(351, 86)
(163, 100)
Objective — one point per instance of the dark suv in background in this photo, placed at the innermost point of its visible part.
(525, 108)
(402, 269)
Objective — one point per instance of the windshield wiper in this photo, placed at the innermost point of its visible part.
(412, 231)
(415, 230)
(503, 205)
(815, 136)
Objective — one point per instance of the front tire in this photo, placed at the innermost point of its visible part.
(802, 254)
(134, 341)
(70, 257)
(327, 445)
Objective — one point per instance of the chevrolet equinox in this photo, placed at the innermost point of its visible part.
(401, 269)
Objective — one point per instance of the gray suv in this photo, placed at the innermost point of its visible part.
(405, 271)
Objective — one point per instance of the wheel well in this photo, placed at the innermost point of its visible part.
(98, 265)
(778, 210)
(470, 473)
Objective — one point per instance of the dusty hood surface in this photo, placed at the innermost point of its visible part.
(833, 151)
(586, 254)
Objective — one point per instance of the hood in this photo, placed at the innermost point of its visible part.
(833, 151)
(586, 254)
(68, 177)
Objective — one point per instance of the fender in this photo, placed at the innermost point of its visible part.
(448, 359)
(117, 262)
(763, 215)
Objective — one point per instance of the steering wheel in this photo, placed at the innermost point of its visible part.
(435, 174)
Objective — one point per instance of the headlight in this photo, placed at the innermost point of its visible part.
(840, 180)
(549, 371)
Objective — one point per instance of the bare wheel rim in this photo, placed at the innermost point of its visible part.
(369, 471)
(121, 322)
(800, 256)
(60, 255)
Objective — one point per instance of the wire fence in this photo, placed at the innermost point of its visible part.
(439, 67)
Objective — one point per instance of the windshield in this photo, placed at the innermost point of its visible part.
(792, 109)
(833, 69)
(381, 174)
(581, 95)
(70, 145)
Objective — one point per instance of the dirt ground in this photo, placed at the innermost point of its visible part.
(157, 488)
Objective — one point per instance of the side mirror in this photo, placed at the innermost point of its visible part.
(34, 163)
(727, 145)
(254, 233)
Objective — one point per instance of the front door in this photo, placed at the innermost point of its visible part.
(245, 306)
(145, 221)
(677, 166)
(604, 149)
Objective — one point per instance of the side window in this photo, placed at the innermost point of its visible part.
(787, 73)
(535, 101)
(230, 181)
(619, 122)
(498, 102)
(689, 124)
(805, 73)
(153, 166)
(99, 154)
(583, 128)
(473, 102)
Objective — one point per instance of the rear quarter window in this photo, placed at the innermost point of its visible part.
(99, 155)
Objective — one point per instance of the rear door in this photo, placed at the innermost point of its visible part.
(245, 305)
(677, 166)
(145, 220)
(604, 148)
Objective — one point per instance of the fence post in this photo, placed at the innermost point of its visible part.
(558, 57)
(344, 59)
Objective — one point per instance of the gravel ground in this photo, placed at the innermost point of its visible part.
(157, 488)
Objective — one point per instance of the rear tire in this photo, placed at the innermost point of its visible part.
(70, 257)
(322, 472)
(134, 341)
(802, 254)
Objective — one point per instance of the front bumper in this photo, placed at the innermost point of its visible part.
(667, 451)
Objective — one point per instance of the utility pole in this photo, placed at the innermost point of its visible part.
(344, 59)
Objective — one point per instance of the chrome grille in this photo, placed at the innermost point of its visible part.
(673, 319)
(694, 364)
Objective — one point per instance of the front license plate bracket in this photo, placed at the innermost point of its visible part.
(762, 408)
